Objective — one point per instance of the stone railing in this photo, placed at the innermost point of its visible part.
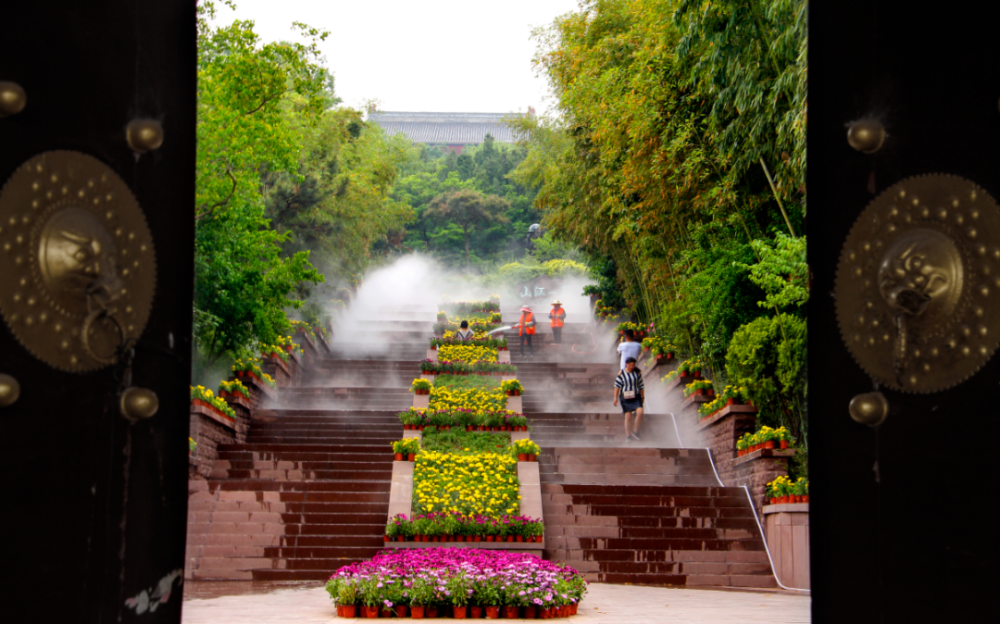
(720, 433)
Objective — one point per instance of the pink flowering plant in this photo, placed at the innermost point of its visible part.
(457, 576)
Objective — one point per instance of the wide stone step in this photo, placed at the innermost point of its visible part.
(364, 490)
(301, 475)
(318, 438)
(332, 466)
(290, 576)
(629, 479)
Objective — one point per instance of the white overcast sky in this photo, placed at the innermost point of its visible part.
(421, 55)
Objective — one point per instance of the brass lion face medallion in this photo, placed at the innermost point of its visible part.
(77, 267)
(918, 284)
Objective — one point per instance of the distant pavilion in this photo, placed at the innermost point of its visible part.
(452, 131)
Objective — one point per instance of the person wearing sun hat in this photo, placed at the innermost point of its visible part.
(556, 319)
(526, 329)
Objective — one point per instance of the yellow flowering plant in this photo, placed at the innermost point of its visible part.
(526, 447)
(466, 353)
(484, 484)
(234, 387)
(476, 399)
(212, 401)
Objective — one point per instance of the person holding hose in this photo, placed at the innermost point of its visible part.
(629, 386)
(557, 317)
(526, 329)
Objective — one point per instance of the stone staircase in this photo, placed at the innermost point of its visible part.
(309, 490)
(646, 512)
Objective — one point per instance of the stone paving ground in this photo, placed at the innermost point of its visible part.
(604, 604)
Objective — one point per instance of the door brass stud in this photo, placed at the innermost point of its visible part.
(12, 99)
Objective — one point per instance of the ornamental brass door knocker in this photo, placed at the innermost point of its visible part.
(918, 284)
(77, 265)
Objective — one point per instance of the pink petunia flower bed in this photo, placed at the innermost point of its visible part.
(457, 581)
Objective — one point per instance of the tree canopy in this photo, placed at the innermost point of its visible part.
(677, 161)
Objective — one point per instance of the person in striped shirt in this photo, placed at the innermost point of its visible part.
(628, 385)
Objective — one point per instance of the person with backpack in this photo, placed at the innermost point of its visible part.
(526, 329)
(629, 387)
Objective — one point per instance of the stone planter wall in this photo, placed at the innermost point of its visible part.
(787, 530)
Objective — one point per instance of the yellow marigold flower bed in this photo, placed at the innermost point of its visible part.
(476, 399)
(466, 353)
(484, 484)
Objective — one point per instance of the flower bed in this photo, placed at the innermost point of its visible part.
(478, 484)
(467, 353)
(233, 388)
(659, 347)
(250, 367)
(202, 396)
(638, 330)
(784, 490)
(731, 395)
(483, 399)
(699, 387)
(454, 527)
(765, 438)
(470, 420)
(500, 344)
(466, 580)
(687, 368)
(462, 368)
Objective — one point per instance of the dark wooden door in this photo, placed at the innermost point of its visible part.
(901, 515)
(95, 507)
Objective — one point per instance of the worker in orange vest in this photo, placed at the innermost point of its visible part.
(556, 319)
(526, 329)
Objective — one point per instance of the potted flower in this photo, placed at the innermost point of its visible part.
(741, 447)
(512, 387)
(421, 386)
(192, 446)
(347, 597)
(526, 450)
(699, 387)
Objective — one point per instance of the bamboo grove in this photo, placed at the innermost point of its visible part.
(678, 159)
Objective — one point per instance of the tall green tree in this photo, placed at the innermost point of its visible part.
(470, 211)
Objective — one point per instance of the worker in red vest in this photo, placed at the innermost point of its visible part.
(556, 319)
(526, 329)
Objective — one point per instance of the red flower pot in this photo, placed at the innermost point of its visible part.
(769, 444)
(426, 538)
(477, 612)
(510, 612)
(458, 612)
(519, 538)
(468, 427)
(431, 612)
(401, 611)
(573, 607)
(489, 538)
(492, 613)
(545, 613)
(400, 538)
(369, 612)
(410, 456)
(417, 613)
(398, 457)
(532, 457)
(774, 501)
(478, 538)
(522, 457)
(784, 444)
(459, 538)
(805, 498)
(529, 613)
(386, 538)
(350, 611)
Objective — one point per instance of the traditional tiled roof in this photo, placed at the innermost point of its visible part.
(446, 128)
